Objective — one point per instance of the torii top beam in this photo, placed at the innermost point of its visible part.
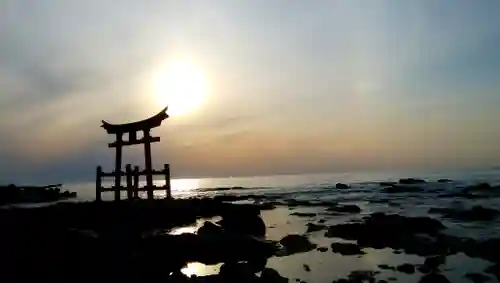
(149, 123)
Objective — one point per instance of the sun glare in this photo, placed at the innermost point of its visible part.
(181, 85)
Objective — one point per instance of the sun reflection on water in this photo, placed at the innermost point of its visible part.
(200, 269)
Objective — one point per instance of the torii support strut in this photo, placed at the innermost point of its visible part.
(132, 128)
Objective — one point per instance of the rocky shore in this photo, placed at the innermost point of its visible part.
(13, 194)
(258, 238)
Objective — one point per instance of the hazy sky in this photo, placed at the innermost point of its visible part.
(294, 86)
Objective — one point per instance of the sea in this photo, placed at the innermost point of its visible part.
(300, 185)
(366, 192)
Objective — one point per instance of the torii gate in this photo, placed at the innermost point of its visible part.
(131, 129)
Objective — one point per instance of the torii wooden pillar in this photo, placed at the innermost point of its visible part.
(131, 129)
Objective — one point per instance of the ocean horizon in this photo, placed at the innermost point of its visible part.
(191, 187)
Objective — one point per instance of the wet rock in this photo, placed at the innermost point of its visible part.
(307, 268)
(434, 262)
(386, 267)
(477, 277)
(311, 227)
(444, 181)
(348, 208)
(381, 281)
(304, 214)
(321, 221)
(322, 249)
(270, 275)
(434, 278)
(341, 186)
(392, 279)
(386, 184)
(346, 249)
(297, 244)
(406, 268)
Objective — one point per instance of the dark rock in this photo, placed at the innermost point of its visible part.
(236, 272)
(411, 181)
(322, 249)
(386, 267)
(424, 269)
(478, 187)
(434, 262)
(392, 279)
(341, 186)
(476, 213)
(349, 208)
(362, 276)
(495, 270)
(385, 184)
(444, 181)
(303, 214)
(307, 268)
(311, 227)
(487, 249)
(402, 189)
(243, 223)
(346, 249)
(406, 268)
(434, 278)
(477, 277)
(321, 221)
(297, 244)
(394, 231)
(270, 275)
(381, 281)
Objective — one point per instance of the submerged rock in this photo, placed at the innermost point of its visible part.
(386, 267)
(477, 277)
(434, 278)
(495, 270)
(237, 272)
(411, 181)
(385, 184)
(303, 214)
(348, 208)
(341, 186)
(311, 227)
(476, 213)
(402, 189)
(322, 249)
(444, 181)
(398, 232)
(362, 276)
(346, 249)
(296, 244)
(433, 262)
(270, 275)
(406, 268)
(478, 187)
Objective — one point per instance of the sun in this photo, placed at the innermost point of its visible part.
(181, 85)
